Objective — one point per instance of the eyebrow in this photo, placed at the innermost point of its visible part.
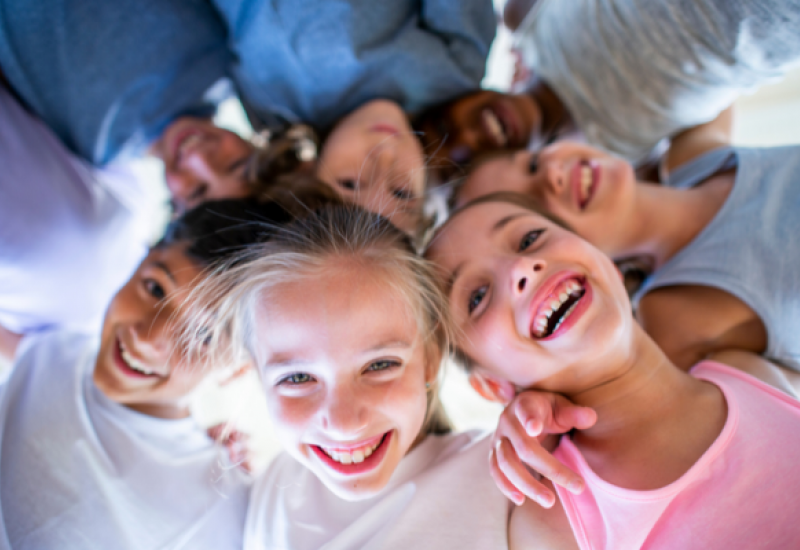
(495, 228)
(165, 269)
(283, 361)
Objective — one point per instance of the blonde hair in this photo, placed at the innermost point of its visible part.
(229, 299)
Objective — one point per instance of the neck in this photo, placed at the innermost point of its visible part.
(665, 220)
(167, 412)
(556, 120)
(640, 389)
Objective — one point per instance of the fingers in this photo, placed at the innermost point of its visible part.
(541, 413)
(567, 415)
(514, 479)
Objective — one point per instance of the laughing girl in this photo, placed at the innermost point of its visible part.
(670, 462)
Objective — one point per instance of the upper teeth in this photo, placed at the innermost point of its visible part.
(571, 288)
(586, 180)
(133, 363)
(494, 126)
(188, 142)
(352, 456)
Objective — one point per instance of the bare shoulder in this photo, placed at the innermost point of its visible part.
(535, 528)
(693, 142)
(691, 321)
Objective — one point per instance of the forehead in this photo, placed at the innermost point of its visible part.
(340, 310)
(476, 227)
(172, 259)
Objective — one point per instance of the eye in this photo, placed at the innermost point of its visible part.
(476, 298)
(529, 238)
(382, 365)
(402, 194)
(154, 289)
(350, 185)
(533, 164)
(296, 379)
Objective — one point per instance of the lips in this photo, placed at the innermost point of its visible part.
(584, 177)
(558, 305)
(129, 365)
(501, 125)
(385, 129)
(370, 453)
(185, 141)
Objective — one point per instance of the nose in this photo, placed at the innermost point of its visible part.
(151, 335)
(525, 272)
(344, 417)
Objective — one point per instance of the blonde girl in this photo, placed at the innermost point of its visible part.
(347, 329)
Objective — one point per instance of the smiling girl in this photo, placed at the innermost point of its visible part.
(346, 327)
(670, 460)
(97, 449)
(720, 235)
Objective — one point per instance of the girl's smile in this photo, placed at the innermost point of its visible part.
(344, 370)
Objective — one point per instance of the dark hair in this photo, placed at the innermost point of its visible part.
(216, 230)
(281, 155)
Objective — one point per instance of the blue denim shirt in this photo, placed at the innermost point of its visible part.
(317, 60)
(108, 75)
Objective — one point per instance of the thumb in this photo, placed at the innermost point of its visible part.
(568, 416)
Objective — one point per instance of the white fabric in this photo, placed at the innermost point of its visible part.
(70, 234)
(632, 72)
(441, 496)
(81, 472)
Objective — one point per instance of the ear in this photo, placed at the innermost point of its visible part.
(491, 388)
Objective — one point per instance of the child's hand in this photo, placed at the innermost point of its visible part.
(234, 442)
(523, 428)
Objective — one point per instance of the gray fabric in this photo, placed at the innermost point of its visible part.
(751, 249)
(633, 72)
(108, 74)
(316, 60)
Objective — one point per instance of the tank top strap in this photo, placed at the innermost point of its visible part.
(703, 167)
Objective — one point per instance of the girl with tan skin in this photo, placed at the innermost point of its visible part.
(688, 306)
(537, 307)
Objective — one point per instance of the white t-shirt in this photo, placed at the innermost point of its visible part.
(441, 496)
(81, 472)
(70, 234)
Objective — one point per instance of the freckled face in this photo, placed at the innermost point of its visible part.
(373, 158)
(138, 364)
(533, 303)
(590, 190)
(344, 372)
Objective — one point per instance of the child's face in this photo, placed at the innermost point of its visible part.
(344, 373)
(460, 131)
(373, 159)
(589, 189)
(138, 364)
(202, 162)
(534, 304)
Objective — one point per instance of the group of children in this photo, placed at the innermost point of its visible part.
(662, 422)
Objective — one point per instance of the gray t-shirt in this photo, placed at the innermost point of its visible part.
(751, 248)
(633, 72)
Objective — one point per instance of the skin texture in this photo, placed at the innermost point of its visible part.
(373, 158)
(458, 132)
(341, 363)
(627, 218)
(202, 162)
(666, 420)
(141, 318)
(9, 341)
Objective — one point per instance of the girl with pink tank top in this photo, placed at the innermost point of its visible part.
(704, 459)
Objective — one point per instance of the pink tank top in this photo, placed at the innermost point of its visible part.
(744, 492)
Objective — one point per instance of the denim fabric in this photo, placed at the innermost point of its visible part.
(107, 75)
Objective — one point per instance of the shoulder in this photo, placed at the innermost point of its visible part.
(532, 526)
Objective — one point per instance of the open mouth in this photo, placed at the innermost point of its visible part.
(586, 174)
(132, 366)
(355, 460)
(186, 142)
(494, 127)
(558, 308)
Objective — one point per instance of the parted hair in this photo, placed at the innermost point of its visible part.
(231, 298)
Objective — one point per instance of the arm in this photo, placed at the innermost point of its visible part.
(9, 341)
(701, 139)
(689, 322)
(755, 365)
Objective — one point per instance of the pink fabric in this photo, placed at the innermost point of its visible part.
(744, 492)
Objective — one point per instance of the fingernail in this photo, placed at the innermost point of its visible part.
(575, 487)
